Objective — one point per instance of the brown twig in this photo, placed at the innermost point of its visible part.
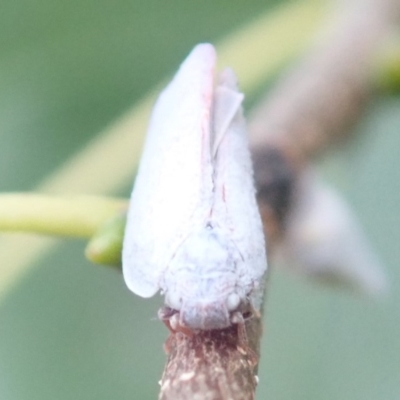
(310, 109)
(321, 97)
(212, 365)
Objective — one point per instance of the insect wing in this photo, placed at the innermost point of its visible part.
(235, 201)
(173, 187)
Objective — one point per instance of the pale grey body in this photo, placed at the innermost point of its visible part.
(202, 280)
(194, 230)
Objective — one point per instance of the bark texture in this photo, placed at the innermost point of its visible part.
(212, 365)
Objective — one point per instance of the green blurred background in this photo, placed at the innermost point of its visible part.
(71, 330)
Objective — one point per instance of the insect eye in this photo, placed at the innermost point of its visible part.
(174, 300)
(233, 301)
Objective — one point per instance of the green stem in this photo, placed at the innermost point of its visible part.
(74, 216)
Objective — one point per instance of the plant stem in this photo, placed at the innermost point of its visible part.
(74, 216)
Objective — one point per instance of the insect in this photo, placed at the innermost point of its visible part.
(194, 231)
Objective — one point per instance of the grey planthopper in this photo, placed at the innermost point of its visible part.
(194, 231)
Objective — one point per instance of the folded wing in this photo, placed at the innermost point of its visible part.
(235, 204)
(173, 187)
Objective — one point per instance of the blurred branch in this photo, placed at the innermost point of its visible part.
(322, 96)
(309, 110)
(316, 102)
